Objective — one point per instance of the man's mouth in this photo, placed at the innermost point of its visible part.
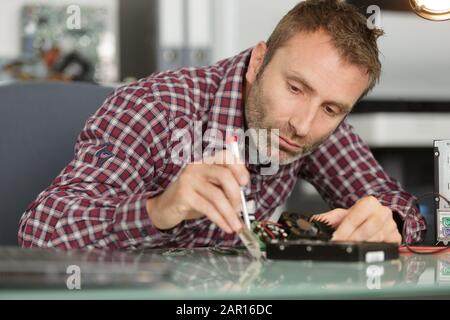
(288, 144)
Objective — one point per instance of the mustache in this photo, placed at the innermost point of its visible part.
(287, 133)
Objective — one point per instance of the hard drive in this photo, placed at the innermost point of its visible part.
(331, 251)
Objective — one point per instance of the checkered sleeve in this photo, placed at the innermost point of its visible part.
(344, 170)
(99, 199)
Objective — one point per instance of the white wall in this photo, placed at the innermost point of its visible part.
(415, 57)
(240, 24)
(415, 51)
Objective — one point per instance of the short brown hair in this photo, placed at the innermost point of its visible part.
(347, 27)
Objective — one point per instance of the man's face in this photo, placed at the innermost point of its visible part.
(305, 91)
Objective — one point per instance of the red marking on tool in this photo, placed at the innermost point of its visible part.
(232, 139)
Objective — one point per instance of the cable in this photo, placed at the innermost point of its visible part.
(269, 232)
(413, 207)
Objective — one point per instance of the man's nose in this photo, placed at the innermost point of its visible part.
(303, 119)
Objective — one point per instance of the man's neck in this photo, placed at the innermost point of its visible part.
(245, 92)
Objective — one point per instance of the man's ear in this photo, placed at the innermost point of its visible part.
(256, 61)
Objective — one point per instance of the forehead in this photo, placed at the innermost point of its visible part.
(314, 56)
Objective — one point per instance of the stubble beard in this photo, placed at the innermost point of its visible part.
(256, 115)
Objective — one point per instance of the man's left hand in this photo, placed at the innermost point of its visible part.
(366, 220)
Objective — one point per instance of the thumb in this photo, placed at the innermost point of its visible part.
(334, 217)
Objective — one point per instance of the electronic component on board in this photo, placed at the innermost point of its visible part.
(302, 227)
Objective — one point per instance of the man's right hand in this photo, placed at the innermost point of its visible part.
(210, 189)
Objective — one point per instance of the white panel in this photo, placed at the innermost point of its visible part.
(199, 13)
(399, 129)
(171, 23)
(9, 28)
(416, 58)
(225, 29)
(259, 18)
(240, 24)
(415, 51)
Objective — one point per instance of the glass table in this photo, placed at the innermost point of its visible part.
(216, 273)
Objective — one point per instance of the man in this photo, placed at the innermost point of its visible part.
(125, 189)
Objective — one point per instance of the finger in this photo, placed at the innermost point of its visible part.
(394, 237)
(223, 178)
(392, 234)
(377, 237)
(359, 213)
(204, 207)
(374, 224)
(334, 217)
(217, 198)
(238, 169)
(226, 159)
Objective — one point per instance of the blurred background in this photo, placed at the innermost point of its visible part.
(114, 41)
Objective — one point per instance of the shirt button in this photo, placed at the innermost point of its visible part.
(144, 233)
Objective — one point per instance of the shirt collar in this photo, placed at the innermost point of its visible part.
(226, 115)
(227, 111)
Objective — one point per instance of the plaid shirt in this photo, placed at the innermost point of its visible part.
(123, 157)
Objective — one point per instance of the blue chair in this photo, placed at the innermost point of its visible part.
(39, 124)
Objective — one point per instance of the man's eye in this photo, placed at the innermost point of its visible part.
(329, 110)
(294, 89)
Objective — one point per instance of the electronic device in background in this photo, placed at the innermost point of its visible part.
(442, 187)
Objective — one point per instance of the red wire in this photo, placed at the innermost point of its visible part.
(270, 222)
(269, 232)
(405, 250)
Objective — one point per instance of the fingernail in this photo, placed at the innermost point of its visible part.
(237, 226)
(243, 180)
